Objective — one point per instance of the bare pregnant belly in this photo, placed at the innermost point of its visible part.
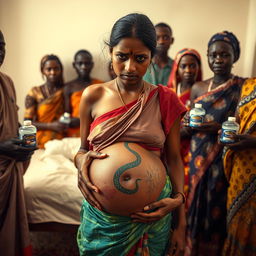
(129, 178)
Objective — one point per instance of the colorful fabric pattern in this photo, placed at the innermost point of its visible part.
(104, 234)
(240, 170)
(207, 196)
(46, 110)
(156, 75)
(229, 38)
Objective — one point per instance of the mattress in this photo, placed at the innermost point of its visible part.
(50, 183)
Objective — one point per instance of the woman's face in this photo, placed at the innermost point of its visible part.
(130, 59)
(52, 71)
(220, 58)
(188, 69)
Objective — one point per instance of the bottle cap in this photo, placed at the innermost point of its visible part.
(231, 119)
(27, 122)
(198, 105)
(66, 114)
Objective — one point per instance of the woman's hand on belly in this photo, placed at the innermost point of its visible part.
(84, 183)
(158, 210)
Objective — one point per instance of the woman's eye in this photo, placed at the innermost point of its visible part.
(121, 56)
(140, 58)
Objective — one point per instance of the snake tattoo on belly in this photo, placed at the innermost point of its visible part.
(122, 169)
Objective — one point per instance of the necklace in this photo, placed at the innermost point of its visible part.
(47, 92)
(178, 89)
(219, 86)
(210, 85)
(120, 96)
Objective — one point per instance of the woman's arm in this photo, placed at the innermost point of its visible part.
(84, 156)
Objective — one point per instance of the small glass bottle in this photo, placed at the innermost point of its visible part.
(27, 133)
(229, 128)
(65, 118)
(196, 115)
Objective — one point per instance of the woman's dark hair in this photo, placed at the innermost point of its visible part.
(52, 57)
(134, 25)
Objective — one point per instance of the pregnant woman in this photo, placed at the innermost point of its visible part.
(130, 169)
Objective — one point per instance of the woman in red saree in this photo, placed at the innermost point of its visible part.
(124, 122)
(185, 72)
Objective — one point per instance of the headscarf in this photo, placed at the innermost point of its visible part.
(230, 38)
(174, 79)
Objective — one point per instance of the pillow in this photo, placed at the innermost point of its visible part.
(67, 147)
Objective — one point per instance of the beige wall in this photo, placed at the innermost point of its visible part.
(33, 28)
(250, 54)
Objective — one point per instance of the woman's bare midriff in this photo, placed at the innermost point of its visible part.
(130, 178)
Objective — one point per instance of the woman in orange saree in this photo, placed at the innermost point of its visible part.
(44, 104)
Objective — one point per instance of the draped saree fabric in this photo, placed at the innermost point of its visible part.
(108, 234)
(46, 110)
(14, 233)
(240, 170)
(207, 195)
(158, 109)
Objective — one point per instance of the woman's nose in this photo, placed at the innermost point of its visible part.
(130, 65)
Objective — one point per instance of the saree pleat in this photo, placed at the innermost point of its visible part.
(102, 234)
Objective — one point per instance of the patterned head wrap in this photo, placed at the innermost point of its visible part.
(230, 38)
(174, 79)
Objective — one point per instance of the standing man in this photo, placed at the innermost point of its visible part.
(161, 66)
(14, 233)
(83, 64)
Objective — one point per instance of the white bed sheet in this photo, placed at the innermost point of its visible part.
(50, 183)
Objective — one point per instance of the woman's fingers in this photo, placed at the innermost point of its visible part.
(98, 155)
(85, 178)
(89, 197)
(84, 183)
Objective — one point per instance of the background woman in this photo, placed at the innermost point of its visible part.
(240, 170)
(185, 72)
(127, 123)
(207, 196)
(44, 103)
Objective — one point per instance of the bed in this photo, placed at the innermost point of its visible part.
(53, 199)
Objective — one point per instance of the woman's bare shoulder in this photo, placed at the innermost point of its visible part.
(95, 92)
